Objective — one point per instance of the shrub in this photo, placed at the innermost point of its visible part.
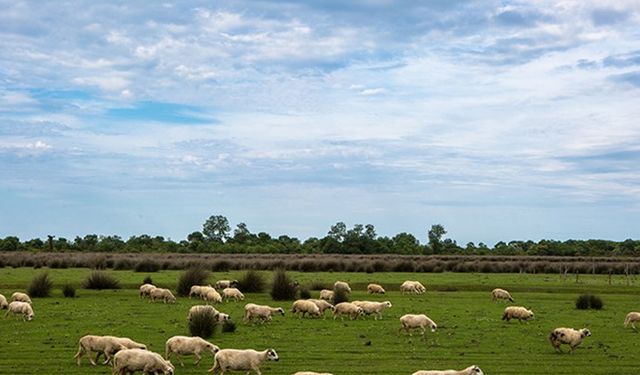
(123, 264)
(193, 276)
(202, 324)
(282, 288)
(69, 291)
(317, 285)
(147, 280)
(340, 295)
(251, 282)
(305, 293)
(588, 301)
(228, 326)
(40, 286)
(100, 280)
(147, 265)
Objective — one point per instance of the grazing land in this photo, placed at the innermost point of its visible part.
(469, 327)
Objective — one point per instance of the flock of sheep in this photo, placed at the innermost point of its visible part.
(127, 356)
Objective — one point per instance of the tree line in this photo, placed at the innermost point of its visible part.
(218, 237)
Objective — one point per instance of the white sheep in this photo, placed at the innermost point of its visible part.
(3, 302)
(261, 312)
(341, 286)
(569, 336)
(163, 294)
(244, 360)
(347, 308)
(631, 318)
(232, 293)
(417, 321)
(326, 294)
(375, 288)
(145, 290)
(132, 360)
(311, 373)
(498, 293)
(412, 287)
(221, 284)
(322, 305)
(304, 306)
(198, 290)
(517, 312)
(471, 370)
(369, 307)
(184, 345)
(20, 297)
(207, 309)
(211, 295)
(20, 308)
(107, 345)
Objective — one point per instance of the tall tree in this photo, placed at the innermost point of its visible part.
(216, 228)
(435, 235)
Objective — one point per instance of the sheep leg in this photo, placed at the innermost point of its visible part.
(198, 358)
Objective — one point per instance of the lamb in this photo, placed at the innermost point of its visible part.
(218, 316)
(145, 290)
(232, 293)
(471, 370)
(326, 294)
(517, 312)
(569, 336)
(3, 302)
(376, 308)
(184, 345)
(375, 288)
(20, 308)
(412, 287)
(498, 293)
(211, 295)
(304, 306)
(341, 286)
(132, 360)
(244, 360)
(163, 294)
(20, 297)
(311, 373)
(347, 308)
(262, 312)
(322, 305)
(107, 345)
(414, 321)
(632, 318)
(222, 284)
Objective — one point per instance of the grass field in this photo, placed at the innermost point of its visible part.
(469, 327)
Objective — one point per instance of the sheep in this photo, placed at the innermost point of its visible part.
(222, 284)
(3, 302)
(471, 370)
(311, 373)
(304, 306)
(412, 287)
(107, 345)
(376, 308)
(322, 305)
(517, 312)
(132, 360)
(341, 286)
(211, 295)
(20, 297)
(198, 290)
(413, 321)
(631, 318)
(262, 312)
(218, 316)
(375, 288)
(246, 360)
(498, 293)
(20, 308)
(232, 293)
(145, 290)
(569, 336)
(347, 308)
(326, 294)
(184, 345)
(163, 294)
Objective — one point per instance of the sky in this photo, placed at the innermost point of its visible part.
(500, 120)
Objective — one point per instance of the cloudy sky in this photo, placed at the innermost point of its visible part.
(501, 120)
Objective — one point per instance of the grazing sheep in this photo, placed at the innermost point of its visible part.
(375, 288)
(376, 308)
(416, 321)
(232, 293)
(498, 293)
(311, 373)
(3, 302)
(341, 286)
(132, 360)
(211, 295)
(20, 297)
(347, 308)
(305, 306)
(631, 318)
(245, 360)
(198, 290)
(412, 287)
(569, 336)
(222, 284)
(517, 312)
(322, 305)
(184, 345)
(107, 345)
(326, 294)
(261, 312)
(471, 370)
(207, 309)
(163, 294)
(145, 290)
(20, 308)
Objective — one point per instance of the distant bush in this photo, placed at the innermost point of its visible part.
(305, 293)
(147, 280)
(589, 301)
(282, 287)
(202, 324)
(192, 276)
(251, 282)
(100, 280)
(69, 291)
(147, 265)
(40, 286)
(318, 285)
(340, 295)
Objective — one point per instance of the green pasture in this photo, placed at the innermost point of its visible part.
(470, 330)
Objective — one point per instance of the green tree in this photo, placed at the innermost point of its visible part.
(216, 228)
(338, 231)
(435, 235)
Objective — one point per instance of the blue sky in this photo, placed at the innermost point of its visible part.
(501, 120)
